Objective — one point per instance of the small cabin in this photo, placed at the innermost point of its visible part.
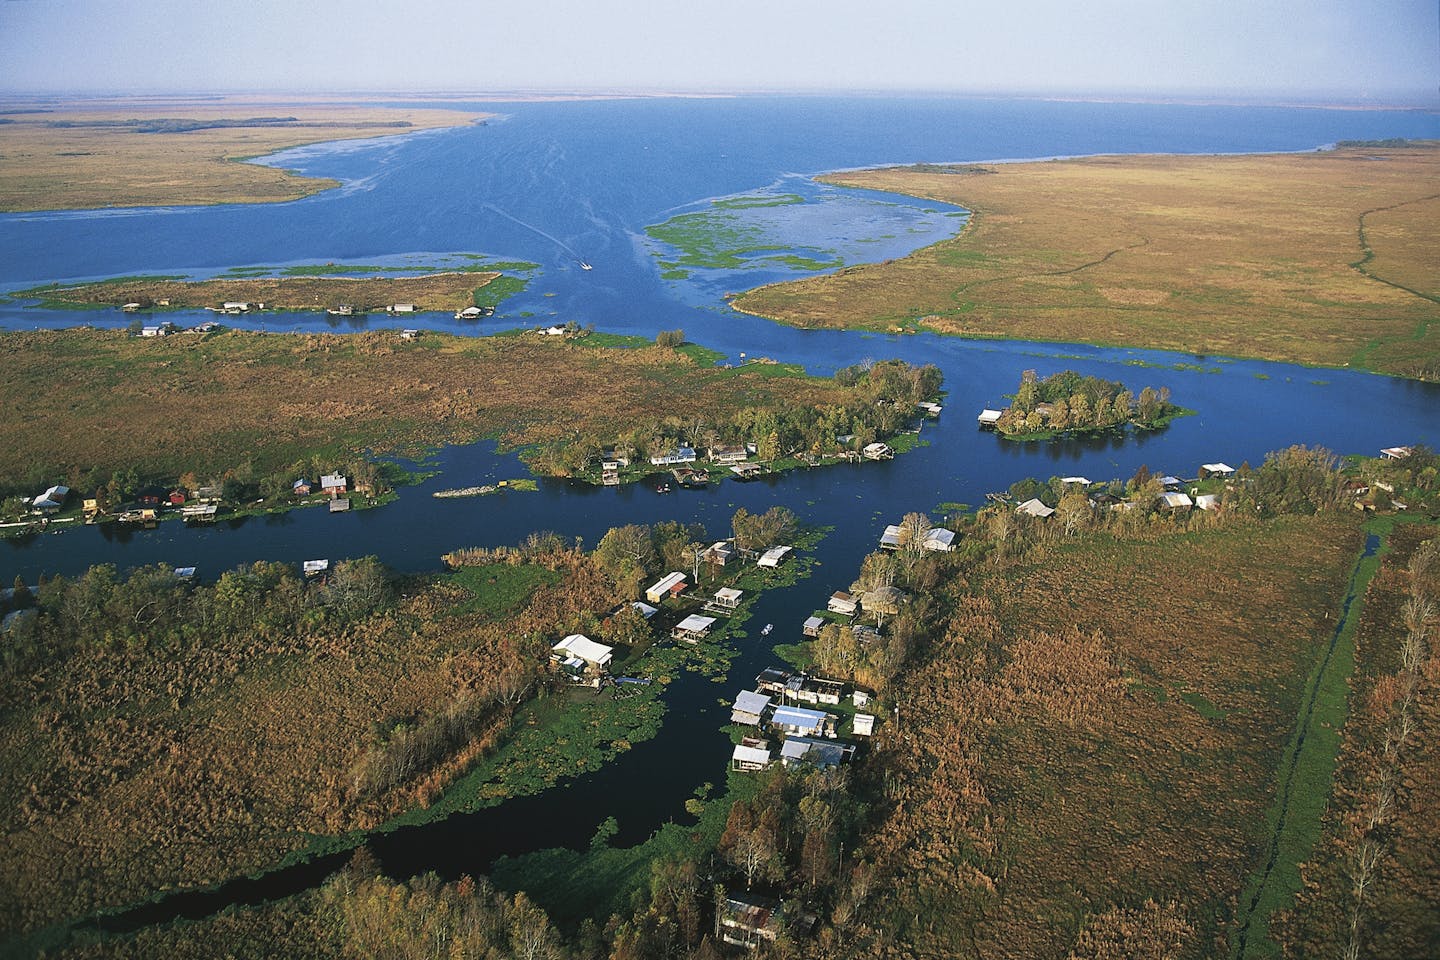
(313, 568)
(301, 488)
(644, 609)
(1035, 508)
(726, 598)
(410, 334)
(1175, 501)
(989, 418)
(772, 680)
(939, 540)
(719, 553)
(1216, 470)
(878, 451)
(750, 754)
(669, 585)
(333, 484)
(52, 499)
(693, 628)
(842, 603)
(401, 308)
(749, 920)
(863, 725)
(821, 753)
(1396, 453)
(749, 708)
(813, 626)
(773, 557)
(798, 721)
(596, 656)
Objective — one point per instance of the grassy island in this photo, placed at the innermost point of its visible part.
(1069, 403)
(119, 153)
(1319, 258)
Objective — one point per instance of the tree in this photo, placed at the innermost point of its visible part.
(670, 338)
(626, 554)
(1074, 510)
(913, 529)
(753, 852)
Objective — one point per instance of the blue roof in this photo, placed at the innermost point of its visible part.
(798, 717)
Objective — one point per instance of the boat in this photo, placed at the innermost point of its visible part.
(585, 266)
(662, 488)
(765, 632)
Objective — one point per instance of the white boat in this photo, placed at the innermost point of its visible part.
(585, 266)
(766, 631)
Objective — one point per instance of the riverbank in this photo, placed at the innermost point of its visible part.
(85, 154)
(1314, 258)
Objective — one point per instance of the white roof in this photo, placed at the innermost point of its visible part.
(728, 593)
(891, 536)
(1217, 468)
(579, 645)
(1169, 481)
(645, 609)
(316, 566)
(666, 582)
(721, 546)
(773, 556)
(876, 447)
(751, 702)
(1395, 453)
(864, 724)
(1177, 500)
(794, 749)
(53, 494)
(746, 754)
(1207, 501)
(799, 717)
(1034, 508)
(696, 623)
(814, 622)
(332, 480)
(990, 416)
(235, 305)
(938, 538)
(1083, 481)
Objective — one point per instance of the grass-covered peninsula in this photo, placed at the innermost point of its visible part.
(148, 152)
(1320, 258)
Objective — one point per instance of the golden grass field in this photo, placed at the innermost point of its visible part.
(435, 291)
(198, 403)
(1257, 256)
(43, 167)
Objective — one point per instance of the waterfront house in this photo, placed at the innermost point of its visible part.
(864, 635)
(747, 471)
(1080, 481)
(821, 753)
(130, 307)
(989, 418)
(401, 308)
(813, 626)
(620, 459)
(469, 313)
(750, 754)
(1396, 453)
(749, 708)
(333, 484)
(773, 557)
(176, 497)
(884, 599)
(1170, 483)
(91, 508)
(199, 512)
(726, 599)
(1208, 501)
(235, 306)
(344, 310)
(808, 689)
(1173, 500)
(669, 585)
(749, 920)
(409, 334)
(693, 628)
(890, 539)
(610, 473)
(728, 454)
(158, 330)
(596, 656)
(1215, 470)
(864, 725)
(185, 573)
(842, 603)
(929, 408)
(1034, 508)
(645, 609)
(772, 680)
(878, 451)
(719, 553)
(798, 721)
(313, 568)
(301, 487)
(52, 499)
(939, 540)
(678, 456)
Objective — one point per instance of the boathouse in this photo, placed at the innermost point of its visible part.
(842, 603)
(750, 755)
(772, 680)
(989, 418)
(693, 628)
(878, 451)
(726, 599)
(773, 557)
(1215, 470)
(813, 626)
(597, 656)
(749, 708)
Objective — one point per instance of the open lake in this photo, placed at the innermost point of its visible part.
(558, 184)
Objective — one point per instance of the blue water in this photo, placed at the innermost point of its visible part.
(559, 183)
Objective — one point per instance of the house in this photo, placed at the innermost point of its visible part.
(205, 327)
(864, 635)
(1215, 470)
(313, 568)
(808, 689)
(681, 455)
(877, 451)
(939, 540)
(333, 484)
(728, 454)
(772, 680)
(1082, 481)
(1034, 508)
(773, 557)
(610, 473)
(409, 334)
(176, 497)
(798, 721)
(159, 330)
(596, 656)
(726, 598)
(797, 750)
(749, 708)
(750, 754)
(748, 920)
(861, 698)
(693, 628)
(401, 308)
(813, 626)
(1396, 453)
(300, 488)
(864, 725)
(235, 306)
(1175, 501)
(747, 471)
(1169, 482)
(667, 586)
(340, 505)
(989, 418)
(719, 553)
(929, 407)
(91, 508)
(199, 512)
(185, 573)
(842, 603)
(52, 499)
(620, 459)
(1208, 501)
(344, 310)
(469, 313)
(645, 609)
(890, 539)
(210, 493)
(130, 307)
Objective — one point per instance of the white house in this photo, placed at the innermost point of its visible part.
(988, 417)
(1034, 508)
(842, 603)
(877, 451)
(749, 708)
(798, 721)
(864, 724)
(693, 628)
(773, 557)
(596, 655)
(52, 499)
(681, 455)
(1176, 501)
(939, 540)
(750, 755)
(1216, 469)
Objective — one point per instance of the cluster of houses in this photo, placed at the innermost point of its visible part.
(1172, 496)
(167, 328)
(783, 731)
(336, 486)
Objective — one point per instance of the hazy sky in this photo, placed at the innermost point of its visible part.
(1347, 49)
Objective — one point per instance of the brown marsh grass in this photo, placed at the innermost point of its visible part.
(1258, 256)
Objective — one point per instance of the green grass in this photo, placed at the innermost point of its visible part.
(751, 202)
(1304, 784)
(498, 290)
(500, 588)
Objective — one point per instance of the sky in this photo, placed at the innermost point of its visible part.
(1350, 50)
